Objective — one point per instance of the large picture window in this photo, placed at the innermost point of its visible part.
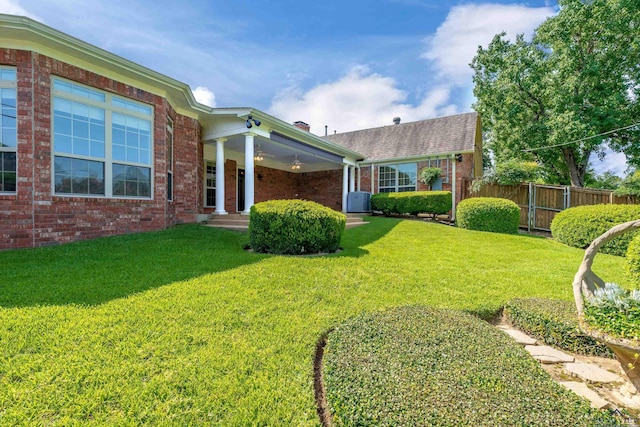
(102, 144)
(8, 131)
(397, 178)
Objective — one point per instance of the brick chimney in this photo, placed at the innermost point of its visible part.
(302, 125)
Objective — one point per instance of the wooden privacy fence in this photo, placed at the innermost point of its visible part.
(539, 203)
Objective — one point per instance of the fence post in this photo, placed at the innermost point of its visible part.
(530, 213)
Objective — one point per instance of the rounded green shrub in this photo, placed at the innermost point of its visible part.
(488, 214)
(633, 261)
(294, 227)
(579, 226)
(412, 202)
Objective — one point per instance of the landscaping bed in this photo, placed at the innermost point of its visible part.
(423, 366)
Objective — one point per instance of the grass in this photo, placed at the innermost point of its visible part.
(422, 366)
(183, 327)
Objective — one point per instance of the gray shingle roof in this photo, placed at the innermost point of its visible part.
(451, 134)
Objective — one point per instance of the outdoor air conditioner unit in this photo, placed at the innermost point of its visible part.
(359, 201)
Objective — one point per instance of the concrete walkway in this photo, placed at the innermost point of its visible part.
(597, 379)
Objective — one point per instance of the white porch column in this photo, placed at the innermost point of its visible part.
(453, 187)
(220, 177)
(345, 187)
(352, 179)
(248, 172)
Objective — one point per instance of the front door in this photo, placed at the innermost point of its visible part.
(240, 190)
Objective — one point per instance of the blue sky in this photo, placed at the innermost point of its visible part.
(347, 64)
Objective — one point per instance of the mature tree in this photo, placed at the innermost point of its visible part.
(579, 77)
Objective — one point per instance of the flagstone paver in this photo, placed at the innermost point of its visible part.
(546, 354)
(520, 337)
(581, 389)
(591, 373)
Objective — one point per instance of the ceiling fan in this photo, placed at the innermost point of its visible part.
(260, 154)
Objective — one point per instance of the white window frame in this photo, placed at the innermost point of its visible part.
(445, 170)
(396, 187)
(11, 84)
(206, 187)
(170, 160)
(110, 106)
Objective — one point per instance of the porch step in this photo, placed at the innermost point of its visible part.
(241, 222)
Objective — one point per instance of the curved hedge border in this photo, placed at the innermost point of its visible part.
(424, 366)
(412, 202)
(294, 227)
(633, 261)
(555, 323)
(488, 214)
(579, 226)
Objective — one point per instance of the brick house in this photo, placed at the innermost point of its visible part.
(93, 145)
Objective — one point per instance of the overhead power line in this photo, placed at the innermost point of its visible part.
(582, 139)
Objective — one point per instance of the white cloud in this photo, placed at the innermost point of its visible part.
(360, 99)
(456, 40)
(612, 162)
(12, 7)
(204, 96)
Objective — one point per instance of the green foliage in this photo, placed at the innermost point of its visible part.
(579, 226)
(424, 366)
(413, 203)
(630, 186)
(488, 214)
(577, 78)
(514, 172)
(554, 322)
(185, 328)
(606, 181)
(633, 261)
(615, 311)
(294, 227)
(429, 175)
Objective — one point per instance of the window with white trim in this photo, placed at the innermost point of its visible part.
(8, 131)
(210, 185)
(169, 159)
(444, 164)
(102, 144)
(397, 178)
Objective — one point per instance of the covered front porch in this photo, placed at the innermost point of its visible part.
(250, 157)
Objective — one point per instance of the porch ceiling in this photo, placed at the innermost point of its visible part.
(278, 155)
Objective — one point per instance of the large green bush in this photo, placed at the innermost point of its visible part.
(294, 227)
(555, 323)
(633, 261)
(413, 202)
(580, 225)
(488, 214)
(419, 366)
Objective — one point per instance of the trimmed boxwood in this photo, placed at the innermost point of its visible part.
(424, 366)
(580, 225)
(633, 261)
(294, 227)
(555, 323)
(488, 214)
(412, 202)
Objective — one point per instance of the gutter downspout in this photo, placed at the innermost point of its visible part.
(454, 184)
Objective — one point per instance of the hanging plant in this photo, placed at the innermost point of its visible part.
(429, 175)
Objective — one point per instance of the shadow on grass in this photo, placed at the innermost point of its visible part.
(97, 271)
(356, 238)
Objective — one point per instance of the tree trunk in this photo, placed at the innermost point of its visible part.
(576, 176)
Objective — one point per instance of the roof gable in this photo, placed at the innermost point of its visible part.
(425, 138)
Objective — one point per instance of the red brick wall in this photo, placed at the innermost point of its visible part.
(230, 186)
(273, 184)
(322, 187)
(36, 217)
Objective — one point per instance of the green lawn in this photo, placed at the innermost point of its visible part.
(184, 327)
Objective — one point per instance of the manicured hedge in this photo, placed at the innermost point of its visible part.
(488, 214)
(412, 202)
(580, 225)
(633, 261)
(294, 227)
(554, 322)
(429, 367)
